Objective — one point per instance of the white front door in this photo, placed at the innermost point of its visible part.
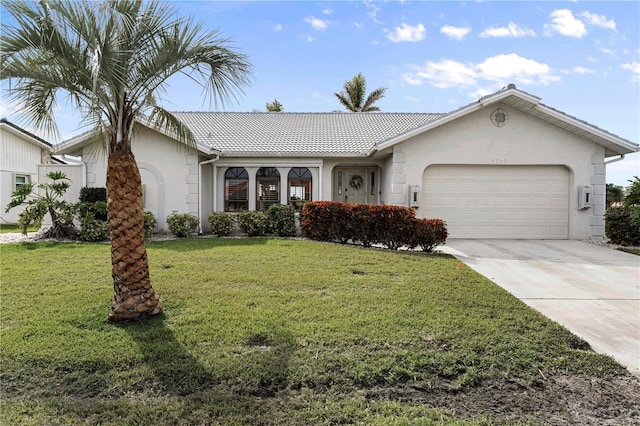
(355, 185)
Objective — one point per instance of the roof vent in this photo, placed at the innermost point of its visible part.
(511, 86)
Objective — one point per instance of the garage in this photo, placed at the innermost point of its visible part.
(510, 202)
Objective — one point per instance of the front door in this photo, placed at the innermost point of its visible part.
(355, 185)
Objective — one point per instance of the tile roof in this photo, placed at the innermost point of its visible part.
(20, 129)
(283, 132)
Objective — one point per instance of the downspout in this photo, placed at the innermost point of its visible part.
(200, 196)
(84, 173)
(615, 160)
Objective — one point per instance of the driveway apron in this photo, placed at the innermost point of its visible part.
(593, 291)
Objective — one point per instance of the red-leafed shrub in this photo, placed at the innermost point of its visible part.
(326, 221)
(393, 224)
(428, 233)
(363, 226)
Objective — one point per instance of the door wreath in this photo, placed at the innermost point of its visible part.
(356, 182)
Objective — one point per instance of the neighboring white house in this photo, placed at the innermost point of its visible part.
(25, 158)
(506, 166)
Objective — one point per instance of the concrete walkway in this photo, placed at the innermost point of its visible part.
(591, 290)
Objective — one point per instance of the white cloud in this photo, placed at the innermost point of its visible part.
(456, 33)
(357, 25)
(511, 30)
(599, 20)
(606, 51)
(412, 99)
(583, 70)
(412, 79)
(372, 11)
(514, 68)
(277, 27)
(443, 74)
(406, 32)
(634, 67)
(579, 70)
(498, 70)
(308, 38)
(563, 22)
(327, 11)
(317, 24)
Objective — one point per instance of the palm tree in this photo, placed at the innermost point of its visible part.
(353, 95)
(110, 59)
(274, 106)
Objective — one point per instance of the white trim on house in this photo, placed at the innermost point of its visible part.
(531, 105)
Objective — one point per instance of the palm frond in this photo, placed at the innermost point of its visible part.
(168, 123)
(353, 95)
(111, 59)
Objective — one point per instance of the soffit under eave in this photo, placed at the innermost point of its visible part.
(614, 145)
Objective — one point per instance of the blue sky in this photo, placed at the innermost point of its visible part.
(582, 58)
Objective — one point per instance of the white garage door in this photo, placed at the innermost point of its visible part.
(498, 201)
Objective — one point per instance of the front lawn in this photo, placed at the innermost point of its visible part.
(12, 227)
(272, 331)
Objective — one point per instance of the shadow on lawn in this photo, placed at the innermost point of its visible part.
(258, 368)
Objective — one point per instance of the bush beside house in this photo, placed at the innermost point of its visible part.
(391, 226)
(182, 224)
(221, 224)
(622, 223)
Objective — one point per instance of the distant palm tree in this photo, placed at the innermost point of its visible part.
(274, 106)
(353, 95)
(110, 59)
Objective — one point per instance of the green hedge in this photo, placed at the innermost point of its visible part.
(253, 223)
(622, 225)
(149, 224)
(391, 226)
(93, 201)
(282, 220)
(222, 224)
(182, 224)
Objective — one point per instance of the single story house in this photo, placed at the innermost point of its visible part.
(25, 158)
(506, 166)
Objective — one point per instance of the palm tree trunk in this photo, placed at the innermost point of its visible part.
(134, 298)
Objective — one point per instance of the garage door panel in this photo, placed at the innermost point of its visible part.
(499, 201)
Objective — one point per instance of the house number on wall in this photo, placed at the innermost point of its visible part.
(498, 161)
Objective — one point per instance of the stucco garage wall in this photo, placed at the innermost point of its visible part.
(523, 140)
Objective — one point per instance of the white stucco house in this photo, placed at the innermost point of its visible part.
(25, 158)
(506, 166)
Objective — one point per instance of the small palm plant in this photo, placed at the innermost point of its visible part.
(45, 198)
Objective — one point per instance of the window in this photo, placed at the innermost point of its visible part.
(299, 186)
(268, 187)
(21, 180)
(236, 183)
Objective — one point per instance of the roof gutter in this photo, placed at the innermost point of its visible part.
(615, 159)
(597, 132)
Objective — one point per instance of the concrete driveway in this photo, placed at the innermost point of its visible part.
(593, 291)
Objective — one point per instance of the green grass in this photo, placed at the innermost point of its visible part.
(630, 250)
(6, 228)
(264, 331)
